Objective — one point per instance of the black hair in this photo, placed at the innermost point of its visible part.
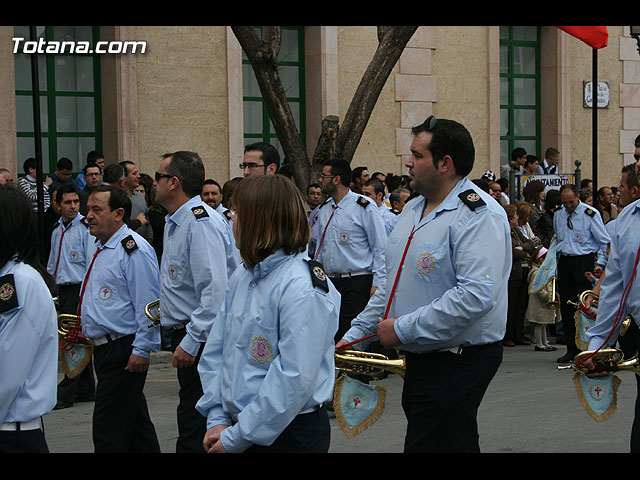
(118, 198)
(340, 168)
(189, 169)
(64, 164)
(19, 234)
(66, 188)
(269, 153)
(449, 138)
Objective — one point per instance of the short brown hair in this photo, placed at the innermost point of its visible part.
(271, 215)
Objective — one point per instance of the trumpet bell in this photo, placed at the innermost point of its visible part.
(66, 323)
(367, 363)
(152, 311)
(605, 360)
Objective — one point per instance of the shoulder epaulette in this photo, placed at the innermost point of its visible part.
(83, 221)
(363, 202)
(8, 296)
(227, 213)
(129, 244)
(589, 212)
(199, 212)
(318, 277)
(471, 199)
(325, 202)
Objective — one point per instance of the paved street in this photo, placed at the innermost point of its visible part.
(530, 407)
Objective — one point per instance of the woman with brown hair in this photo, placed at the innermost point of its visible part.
(521, 248)
(268, 364)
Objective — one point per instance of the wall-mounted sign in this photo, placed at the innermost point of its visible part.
(603, 94)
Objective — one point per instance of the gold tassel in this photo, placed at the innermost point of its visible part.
(80, 367)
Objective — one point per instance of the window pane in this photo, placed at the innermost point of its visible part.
(249, 83)
(25, 32)
(504, 122)
(530, 146)
(527, 33)
(74, 73)
(289, 46)
(524, 60)
(524, 91)
(504, 33)
(253, 117)
(504, 91)
(22, 64)
(62, 34)
(75, 114)
(295, 111)
(504, 59)
(24, 114)
(76, 149)
(27, 149)
(524, 123)
(504, 152)
(290, 80)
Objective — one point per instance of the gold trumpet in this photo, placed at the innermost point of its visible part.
(154, 317)
(605, 360)
(68, 322)
(367, 363)
(583, 298)
(554, 304)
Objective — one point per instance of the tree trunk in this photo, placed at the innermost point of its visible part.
(334, 141)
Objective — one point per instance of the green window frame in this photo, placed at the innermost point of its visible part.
(70, 105)
(257, 124)
(519, 90)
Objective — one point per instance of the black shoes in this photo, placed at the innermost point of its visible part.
(567, 358)
(548, 348)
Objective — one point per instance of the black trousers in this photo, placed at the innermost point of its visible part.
(441, 395)
(571, 283)
(81, 387)
(192, 425)
(23, 441)
(307, 433)
(121, 421)
(517, 308)
(355, 293)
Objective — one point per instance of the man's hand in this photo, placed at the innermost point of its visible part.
(137, 364)
(387, 334)
(211, 441)
(591, 365)
(182, 359)
(372, 291)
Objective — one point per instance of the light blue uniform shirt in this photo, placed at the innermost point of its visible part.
(602, 257)
(354, 240)
(196, 258)
(72, 251)
(270, 355)
(119, 287)
(588, 234)
(625, 241)
(390, 219)
(452, 289)
(28, 346)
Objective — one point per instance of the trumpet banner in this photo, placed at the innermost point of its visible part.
(357, 406)
(547, 271)
(74, 360)
(584, 321)
(598, 395)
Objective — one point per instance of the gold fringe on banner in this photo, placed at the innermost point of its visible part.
(607, 414)
(365, 423)
(77, 370)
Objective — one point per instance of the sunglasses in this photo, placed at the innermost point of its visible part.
(163, 175)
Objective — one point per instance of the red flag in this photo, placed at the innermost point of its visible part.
(595, 37)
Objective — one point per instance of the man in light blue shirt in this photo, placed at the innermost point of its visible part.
(581, 233)
(350, 241)
(374, 190)
(67, 265)
(122, 278)
(28, 331)
(198, 255)
(443, 304)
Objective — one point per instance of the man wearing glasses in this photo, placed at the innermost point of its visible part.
(198, 255)
(260, 159)
(581, 233)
